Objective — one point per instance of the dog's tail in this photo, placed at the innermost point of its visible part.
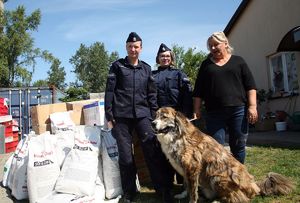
(275, 184)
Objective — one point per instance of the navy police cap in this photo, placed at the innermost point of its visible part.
(163, 48)
(133, 37)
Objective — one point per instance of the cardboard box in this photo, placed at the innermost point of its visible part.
(78, 105)
(77, 117)
(39, 129)
(40, 113)
(77, 108)
(94, 113)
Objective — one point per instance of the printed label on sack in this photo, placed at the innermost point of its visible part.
(112, 151)
(42, 163)
(82, 148)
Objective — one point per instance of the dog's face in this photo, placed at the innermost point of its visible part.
(165, 120)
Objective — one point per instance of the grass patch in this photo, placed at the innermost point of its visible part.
(260, 161)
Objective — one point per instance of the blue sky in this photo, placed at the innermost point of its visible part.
(65, 24)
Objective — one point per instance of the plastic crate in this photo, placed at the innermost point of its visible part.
(11, 146)
(3, 101)
(3, 111)
(11, 137)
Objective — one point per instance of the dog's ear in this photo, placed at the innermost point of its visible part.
(180, 122)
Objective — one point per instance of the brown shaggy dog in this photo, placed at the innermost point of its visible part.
(204, 162)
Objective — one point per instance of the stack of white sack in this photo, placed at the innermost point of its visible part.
(65, 167)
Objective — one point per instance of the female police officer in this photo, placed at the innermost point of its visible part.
(173, 90)
(173, 86)
(130, 104)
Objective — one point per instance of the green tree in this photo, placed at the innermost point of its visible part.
(17, 52)
(40, 83)
(188, 61)
(75, 93)
(91, 66)
(57, 75)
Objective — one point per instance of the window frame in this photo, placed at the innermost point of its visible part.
(287, 90)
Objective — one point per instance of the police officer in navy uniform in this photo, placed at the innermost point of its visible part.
(130, 104)
(173, 90)
(173, 86)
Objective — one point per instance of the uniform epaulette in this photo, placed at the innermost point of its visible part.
(143, 62)
(120, 62)
(154, 71)
(173, 68)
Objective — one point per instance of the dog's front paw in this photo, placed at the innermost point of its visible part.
(181, 195)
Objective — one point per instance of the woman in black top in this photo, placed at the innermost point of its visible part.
(227, 87)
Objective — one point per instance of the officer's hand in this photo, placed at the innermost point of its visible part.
(110, 124)
(197, 115)
(153, 114)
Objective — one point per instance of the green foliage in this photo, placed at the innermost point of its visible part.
(91, 65)
(40, 83)
(57, 75)
(17, 51)
(263, 95)
(75, 93)
(189, 61)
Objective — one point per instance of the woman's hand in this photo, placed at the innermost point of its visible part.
(252, 114)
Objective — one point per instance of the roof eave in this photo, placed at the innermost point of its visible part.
(236, 16)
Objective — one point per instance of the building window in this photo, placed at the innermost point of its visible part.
(284, 78)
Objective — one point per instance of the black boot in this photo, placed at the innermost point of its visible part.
(124, 200)
(127, 198)
(167, 196)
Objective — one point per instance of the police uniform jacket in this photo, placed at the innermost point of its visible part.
(130, 91)
(173, 89)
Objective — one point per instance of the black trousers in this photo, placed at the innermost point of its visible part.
(155, 159)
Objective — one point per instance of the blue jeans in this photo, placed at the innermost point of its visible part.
(234, 121)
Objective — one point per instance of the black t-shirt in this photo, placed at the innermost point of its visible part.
(223, 86)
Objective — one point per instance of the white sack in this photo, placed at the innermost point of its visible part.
(63, 145)
(111, 170)
(61, 121)
(43, 168)
(6, 170)
(79, 171)
(55, 197)
(18, 174)
(10, 177)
